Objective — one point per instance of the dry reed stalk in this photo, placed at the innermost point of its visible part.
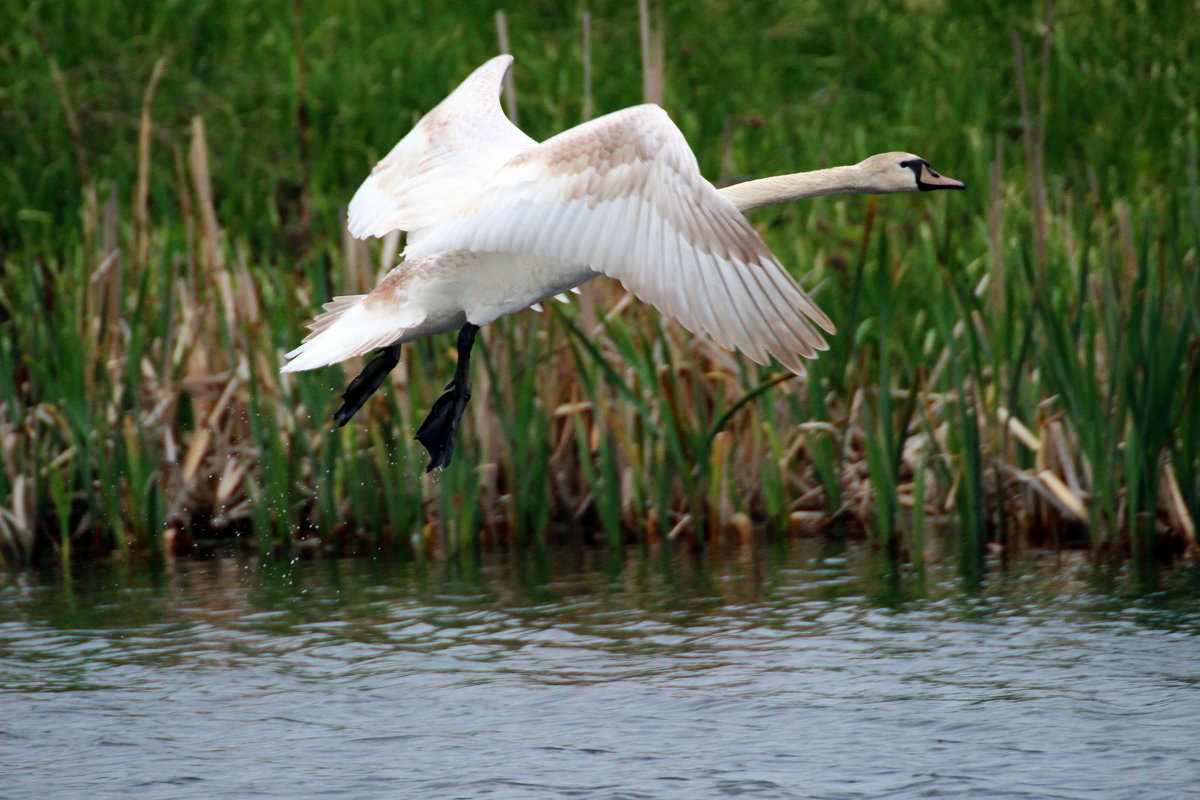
(213, 378)
(995, 223)
(141, 192)
(510, 89)
(249, 308)
(1065, 452)
(482, 417)
(73, 127)
(102, 298)
(586, 33)
(389, 253)
(1125, 240)
(675, 532)
(720, 484)
(210, 231)
(651, 38)
(203, 436)
(1060, 495)
(1018, 429)
(19, 520)
(1177, 508)
(356, 259)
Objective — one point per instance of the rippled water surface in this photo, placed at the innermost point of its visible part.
(779, 674)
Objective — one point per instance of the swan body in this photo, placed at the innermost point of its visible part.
(498, 222)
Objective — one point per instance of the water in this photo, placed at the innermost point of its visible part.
(771, 675)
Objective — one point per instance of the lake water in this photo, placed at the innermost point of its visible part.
(793, 672)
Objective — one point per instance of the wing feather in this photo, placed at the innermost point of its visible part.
(624, 195)
(453, 150)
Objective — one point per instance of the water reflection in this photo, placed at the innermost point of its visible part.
(791, 671)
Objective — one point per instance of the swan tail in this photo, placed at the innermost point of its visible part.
(351, 327)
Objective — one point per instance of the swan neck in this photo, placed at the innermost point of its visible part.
(784, 188)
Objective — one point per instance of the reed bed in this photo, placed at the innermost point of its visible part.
(1017, 365)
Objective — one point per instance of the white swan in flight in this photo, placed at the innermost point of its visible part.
(497, 222)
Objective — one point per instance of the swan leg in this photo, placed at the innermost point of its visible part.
(366, 382)
(438, 430)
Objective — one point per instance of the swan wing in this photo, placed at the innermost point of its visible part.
(453, 150)
(624, 195)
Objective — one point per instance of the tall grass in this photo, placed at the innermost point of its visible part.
(1019, 364)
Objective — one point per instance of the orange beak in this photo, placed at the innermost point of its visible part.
(928, 180)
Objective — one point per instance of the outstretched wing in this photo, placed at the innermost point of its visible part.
(624, 195)
(445, 158)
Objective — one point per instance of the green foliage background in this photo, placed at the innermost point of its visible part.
(1097, 329)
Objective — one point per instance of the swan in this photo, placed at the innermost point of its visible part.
(498, 222)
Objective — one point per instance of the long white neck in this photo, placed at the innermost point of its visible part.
(782, 188)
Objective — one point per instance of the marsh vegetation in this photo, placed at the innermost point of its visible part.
(1016, 365)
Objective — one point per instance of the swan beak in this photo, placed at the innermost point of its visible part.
(928, 180)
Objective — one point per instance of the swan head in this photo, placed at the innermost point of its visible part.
(902, 172)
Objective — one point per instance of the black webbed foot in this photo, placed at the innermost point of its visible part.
(437, 433)
(366, 383)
